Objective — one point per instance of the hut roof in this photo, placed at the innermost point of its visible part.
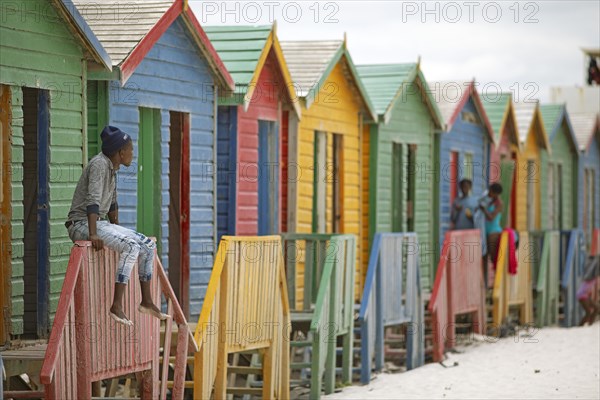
(387, 83)
(553, 116)
(129, 30)
(527, 113)
(500, 111)
(585, 125)
(244, 50)
(311, 62)
(451, 97)
(81, 28)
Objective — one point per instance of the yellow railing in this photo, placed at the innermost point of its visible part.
(245, 308)
(514, 290)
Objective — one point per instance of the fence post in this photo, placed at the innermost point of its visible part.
(82, 322)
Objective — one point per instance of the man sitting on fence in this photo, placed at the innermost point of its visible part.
(95, 199)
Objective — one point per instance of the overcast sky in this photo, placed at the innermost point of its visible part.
(524, 47)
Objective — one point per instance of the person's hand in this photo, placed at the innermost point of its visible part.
(457, 207)
(97, 243)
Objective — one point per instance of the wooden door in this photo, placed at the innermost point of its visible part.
(179, 207)
(411, 175)
(531, 198)
(149, 174)
(5, 212)
(453, 176)
(559, 211)
(319, 186)
(336, 184)
(35, 176)
(397, 188)
(268, 178)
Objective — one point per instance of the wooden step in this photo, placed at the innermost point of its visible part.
(240, 391)
(25, 360)
(242, 370)
(187, 385)
(23, 394)
(190, 359)
(300, 343)
(300, 365)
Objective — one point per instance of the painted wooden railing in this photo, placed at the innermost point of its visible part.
(245, 308)
(458, 288)
(86, 345)
(595, 245)
(392, 295)
(572, 264)
(328, 300)
(513, 290)
(545, 254)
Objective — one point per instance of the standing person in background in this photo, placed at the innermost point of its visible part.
(463, 207)
(585, 291)
(491, 206)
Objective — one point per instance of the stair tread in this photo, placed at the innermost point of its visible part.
(301, 316)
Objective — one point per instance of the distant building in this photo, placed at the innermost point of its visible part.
(586, 98)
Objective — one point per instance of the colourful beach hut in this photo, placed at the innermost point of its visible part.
(533, 142)
(401, 158)
(42, 129)
(559, 170)
(587, 132)
(249, 131)
(505, 149)
(324, 156)
(465, 143)
(163, 92)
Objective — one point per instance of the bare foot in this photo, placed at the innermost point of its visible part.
(151, 309)
(118, 311)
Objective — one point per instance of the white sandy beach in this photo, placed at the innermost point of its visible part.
(556, 363)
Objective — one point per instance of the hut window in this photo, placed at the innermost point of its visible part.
(336, 182)
(468, 166)
(470, 117)
(453, 176)
(319, 182)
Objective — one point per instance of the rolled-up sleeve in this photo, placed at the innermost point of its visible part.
(96, 183)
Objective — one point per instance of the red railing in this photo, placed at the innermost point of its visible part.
(86, 345)
(458, 288)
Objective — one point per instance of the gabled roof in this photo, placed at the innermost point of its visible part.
(553, 116)
(585, 126)
(527, 113)
(80, 28)
(452, 96)
(311, 62)
(386, 84)
(129, 30)
(244, 50)
(500, 111)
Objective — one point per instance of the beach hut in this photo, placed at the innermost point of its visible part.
(401, 158)
(42, 129)
(559, 170)
(249, 129)
(323, 159)
(587, 131)
(465, 143)
(163, 92)
(533, 141)
(505, 149)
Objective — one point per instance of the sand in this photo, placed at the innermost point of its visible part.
(556, 363)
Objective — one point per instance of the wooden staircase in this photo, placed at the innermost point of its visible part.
(87, 348)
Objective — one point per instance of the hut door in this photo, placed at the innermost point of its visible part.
(319, 187)
(397, 180)
(551, 197)
(453, 176)
(5, 213)
(35, 212)
(513, 193)
(149, 174)
(336, 183)
(179, 207)
(559, 212)
(268, 178)
(411, 174)
(531, 206)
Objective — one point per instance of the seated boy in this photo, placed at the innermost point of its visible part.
(95, 198)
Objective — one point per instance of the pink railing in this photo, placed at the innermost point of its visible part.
(86, 345)
(458, 288)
